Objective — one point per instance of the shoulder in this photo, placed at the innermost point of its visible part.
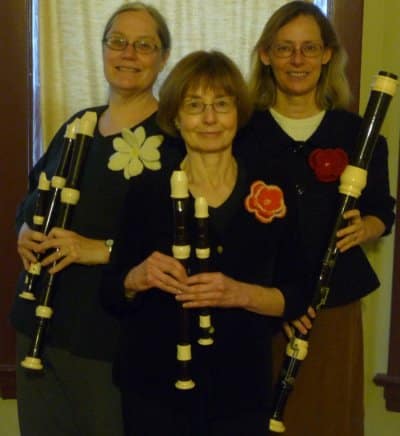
(97, 109)
(341, 122)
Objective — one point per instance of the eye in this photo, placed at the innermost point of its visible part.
(311, 49)
(223, 104)
(194, 104)
(283, 49)
(144, 46)
(116, 42)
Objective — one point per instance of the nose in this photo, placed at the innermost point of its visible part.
(297, 56)
(129, 51)
(209, 114)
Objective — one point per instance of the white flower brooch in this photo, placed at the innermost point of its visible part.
(134, 152)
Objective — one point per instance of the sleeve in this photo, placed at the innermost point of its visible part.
(293, 277)
(127, 251)
(376, 199)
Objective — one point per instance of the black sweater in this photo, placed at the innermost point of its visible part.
(263, 142)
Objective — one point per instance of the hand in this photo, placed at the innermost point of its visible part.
(212, 290)
(67, 247)
(353, 234)
(302, 324)
(28, 245)
(157, 271)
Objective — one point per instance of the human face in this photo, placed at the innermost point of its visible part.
(126, 70)
(208, 131)
(297, 75)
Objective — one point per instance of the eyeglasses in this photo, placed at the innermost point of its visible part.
(308, 50)
(142, 46)
(222, 105)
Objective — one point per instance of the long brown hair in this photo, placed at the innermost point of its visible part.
(333, 90)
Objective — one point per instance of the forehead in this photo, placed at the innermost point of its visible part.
(204, 90)
(134, 23)
(301, 28)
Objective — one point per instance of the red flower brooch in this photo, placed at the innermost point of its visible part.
(328, 163)
(265, 201)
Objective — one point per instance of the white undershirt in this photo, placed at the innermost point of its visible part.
(300, 129)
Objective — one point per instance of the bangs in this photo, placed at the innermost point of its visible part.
(217, 82)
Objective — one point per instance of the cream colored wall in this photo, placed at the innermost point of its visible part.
(381, 42)
(8, 418)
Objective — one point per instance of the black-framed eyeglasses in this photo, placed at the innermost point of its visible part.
(142, 45)
(221, 105)
(287, 50)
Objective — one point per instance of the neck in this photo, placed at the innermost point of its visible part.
(126, 111)
(293, 106)
(211, 175)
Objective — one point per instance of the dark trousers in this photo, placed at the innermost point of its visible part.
(147, 417)
(73, 396)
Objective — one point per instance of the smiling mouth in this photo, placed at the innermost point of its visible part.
(129, 69)
(209, 133)
(297, 74)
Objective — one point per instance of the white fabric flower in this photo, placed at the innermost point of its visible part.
(135, 151)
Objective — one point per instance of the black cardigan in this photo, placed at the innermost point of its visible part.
(79, 323)
(234, 373)
(264, 142)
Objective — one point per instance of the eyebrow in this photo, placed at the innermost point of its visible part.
(116, 33)
(196, 96)
(284, 41)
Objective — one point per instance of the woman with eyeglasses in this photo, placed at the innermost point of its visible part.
(255, 273)
(301, 124)
(74, 393)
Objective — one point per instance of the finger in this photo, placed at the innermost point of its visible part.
(348, 230)
(59, 266)
(311, 312)
(288, 330)
(26, 263)
(300, 327)
(27, 255)
(48, 245)
(199, 279)
(166, 282)
(197, 304)
(347, 242)
(53, 257)
(306, 322)
(204, 299)
(168, 264)
(353, 213)
(34, 236)
(59, 232)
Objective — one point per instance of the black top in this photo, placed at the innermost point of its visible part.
(264, 142)
(79, 324)
(234, 373)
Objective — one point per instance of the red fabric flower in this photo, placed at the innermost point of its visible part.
(328, 164)
(265, 201)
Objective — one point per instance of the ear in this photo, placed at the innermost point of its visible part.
(264, 56)
(177, 125)
(327, 55)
